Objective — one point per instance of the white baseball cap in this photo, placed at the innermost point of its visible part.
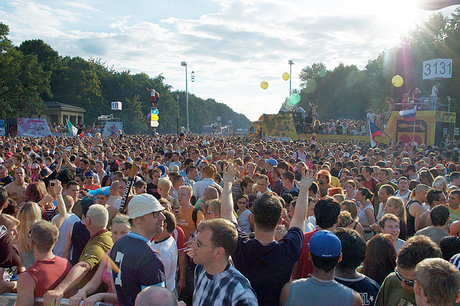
(143, 204)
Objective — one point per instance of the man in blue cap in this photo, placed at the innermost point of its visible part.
(321, 288)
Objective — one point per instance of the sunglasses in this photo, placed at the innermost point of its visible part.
(156, 214)
(198, 244)
(409, 283)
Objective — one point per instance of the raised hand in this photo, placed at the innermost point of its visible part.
(308, 177)
(231, 174)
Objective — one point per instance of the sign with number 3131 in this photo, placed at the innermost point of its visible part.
(437, 68)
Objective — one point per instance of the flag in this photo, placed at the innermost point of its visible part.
(374, 132)
(72, 130)
(409, 114)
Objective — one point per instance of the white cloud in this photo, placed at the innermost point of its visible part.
(81, 6)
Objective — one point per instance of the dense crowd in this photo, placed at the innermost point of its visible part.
(228, 221)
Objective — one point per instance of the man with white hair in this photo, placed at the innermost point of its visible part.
(139, 266)
(99, 244)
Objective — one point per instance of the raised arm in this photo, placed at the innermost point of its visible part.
(57, 190)
(230, 175)
(298, 219)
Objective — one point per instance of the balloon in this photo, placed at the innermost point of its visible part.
(285, 76)
(397, 81)
(295, 98)
(264, 85)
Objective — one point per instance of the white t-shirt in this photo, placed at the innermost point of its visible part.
(168, 254)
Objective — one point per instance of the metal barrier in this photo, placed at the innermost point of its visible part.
(9, 299)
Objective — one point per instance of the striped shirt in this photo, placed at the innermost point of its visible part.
(227, 288)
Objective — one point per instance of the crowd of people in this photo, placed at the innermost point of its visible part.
(206, 220)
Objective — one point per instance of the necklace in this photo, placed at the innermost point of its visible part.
(320, 280)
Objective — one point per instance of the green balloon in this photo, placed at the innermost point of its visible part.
(295, 98)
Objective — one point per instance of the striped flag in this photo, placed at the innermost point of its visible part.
(374, 132)
(72, 130)
(409, 114)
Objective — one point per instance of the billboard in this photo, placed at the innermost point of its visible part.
(437, 68)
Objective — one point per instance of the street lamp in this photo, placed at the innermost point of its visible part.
(184, 64)
(290, 62)
(177, 97)
(192, 76)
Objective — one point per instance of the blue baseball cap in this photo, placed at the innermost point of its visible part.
(325, 244)
(272, 161)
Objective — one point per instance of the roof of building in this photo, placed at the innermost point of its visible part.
(63, 106)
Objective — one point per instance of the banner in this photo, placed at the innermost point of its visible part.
(33, 127)
(112, 128)
(2, 127)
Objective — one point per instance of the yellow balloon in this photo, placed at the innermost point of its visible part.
(285, 76)
(264, 85)
(397, 81)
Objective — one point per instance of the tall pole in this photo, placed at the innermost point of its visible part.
(186, 97)
(290, 62)
(184, 64)
(177, 96)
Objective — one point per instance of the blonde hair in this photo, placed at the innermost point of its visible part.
(28, 215)
(398, 203)
(8, 220)
(165, 184)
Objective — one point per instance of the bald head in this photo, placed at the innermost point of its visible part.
(156, 296)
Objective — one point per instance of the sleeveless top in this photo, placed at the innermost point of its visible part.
(410, 222)
(48, 274)
(308, 291)
(79, 238)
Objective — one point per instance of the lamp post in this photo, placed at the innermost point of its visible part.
(290, 62)
(177, 96)
(184, 64)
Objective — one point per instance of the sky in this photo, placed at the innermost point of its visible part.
(231, 45)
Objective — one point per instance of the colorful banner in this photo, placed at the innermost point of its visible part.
(33, 127)
(112, 128)
(154, 117)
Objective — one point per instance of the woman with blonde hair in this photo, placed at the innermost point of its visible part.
(414, 208)
(352, 208)
(28, 214)
(396, 207)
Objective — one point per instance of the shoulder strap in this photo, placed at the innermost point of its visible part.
(195, 215)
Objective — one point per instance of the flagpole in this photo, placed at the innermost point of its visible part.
(415, 120)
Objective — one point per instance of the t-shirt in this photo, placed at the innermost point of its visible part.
(9, 255)
(168, 254)
(93, 253)
(244, 221)
(392, 294)
(227, 288)
(305, 265)
(454, 215)
(313, 293)
(5, 181)
(435, 234)
(268, 267)
(141, 268)
(185, 220)
(92, 187)
(364, 285)
(58, 248)
(48, 273)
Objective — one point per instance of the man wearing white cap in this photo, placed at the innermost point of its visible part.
(139, 266)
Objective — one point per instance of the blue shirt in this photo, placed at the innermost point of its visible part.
(140, 267)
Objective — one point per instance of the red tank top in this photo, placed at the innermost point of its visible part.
(48, 274)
